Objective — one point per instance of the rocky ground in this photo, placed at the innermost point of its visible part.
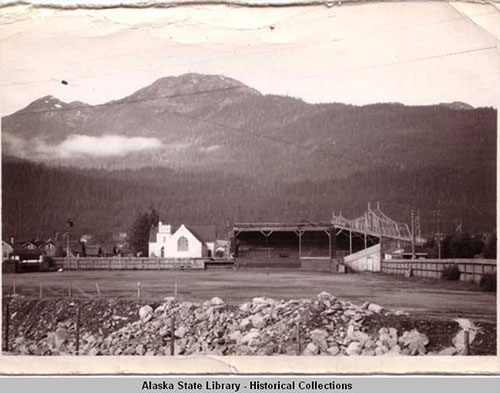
(324, 325)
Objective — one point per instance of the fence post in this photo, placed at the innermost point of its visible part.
(139, 290)
(13, 287)
(466, 342)
(77, 338)
(98, 290)
(7, 321)
(172, 335)
(40, 292)
(175, 291)
(297, 332)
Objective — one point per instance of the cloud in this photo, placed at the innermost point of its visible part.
(105, 145)
(79, 146)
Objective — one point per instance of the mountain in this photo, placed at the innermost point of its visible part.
(217, 123)
(260, 156)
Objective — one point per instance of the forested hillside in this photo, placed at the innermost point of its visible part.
(38, 199)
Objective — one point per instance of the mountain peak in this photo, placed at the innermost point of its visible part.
(189, 84)
(457, 105)
(48, 102)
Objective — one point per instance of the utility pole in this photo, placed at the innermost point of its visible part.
(439, 235)
(67, 244)
(412, 214)
(418, 230)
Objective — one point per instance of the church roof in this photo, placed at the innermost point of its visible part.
(204, 233)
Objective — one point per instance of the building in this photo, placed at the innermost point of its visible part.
(48, 248)
(7, 249)
(185, 241)
(304, 245)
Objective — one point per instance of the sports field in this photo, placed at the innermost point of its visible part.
(427, 297)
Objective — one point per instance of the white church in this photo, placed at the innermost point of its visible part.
(167, 241)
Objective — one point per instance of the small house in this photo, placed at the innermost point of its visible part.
(7, 249)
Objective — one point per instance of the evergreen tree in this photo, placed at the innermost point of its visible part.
(139, 237)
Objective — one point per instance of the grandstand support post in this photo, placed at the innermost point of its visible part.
(300, 233)
(333, 249)
(381, 251)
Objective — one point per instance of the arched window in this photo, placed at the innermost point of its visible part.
(182, 244)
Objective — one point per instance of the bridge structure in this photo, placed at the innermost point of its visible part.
(373, 224)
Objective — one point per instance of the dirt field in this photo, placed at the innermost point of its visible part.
(418, 296)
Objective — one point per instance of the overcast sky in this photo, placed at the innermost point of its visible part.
(414, 53)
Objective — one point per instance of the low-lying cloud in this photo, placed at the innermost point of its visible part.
(80, 146)
(105, 146)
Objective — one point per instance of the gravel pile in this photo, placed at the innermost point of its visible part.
(323, 325)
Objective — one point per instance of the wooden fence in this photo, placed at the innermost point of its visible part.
(471, 269)
(129, 263)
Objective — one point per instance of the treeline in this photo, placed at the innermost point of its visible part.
(37, 199)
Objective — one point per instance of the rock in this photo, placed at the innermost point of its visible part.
(365, 305)
(259, 300)
(369, 344)
(450, 351)
(318, 337)
(140, 350)
(145, 311)
(311, 349)
(326, 297)
(62, 334)
(245, 307)
(245, 323)
(396, 348)
(353, 349)
(333, 350)
(381, 350)
(415, 342)
(216, 301)
(250, 337)
(180, 332)
(375, 308)
(236, 336)
(258, 321)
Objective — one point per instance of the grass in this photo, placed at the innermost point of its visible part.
(426, 297)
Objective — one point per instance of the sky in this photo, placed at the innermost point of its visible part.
(416, 53)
